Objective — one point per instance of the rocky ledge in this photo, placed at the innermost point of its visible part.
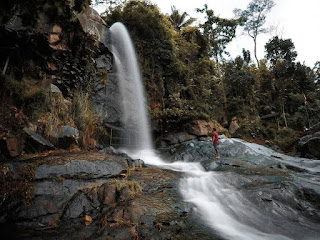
(93, 196)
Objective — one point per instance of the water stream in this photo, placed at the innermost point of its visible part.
(218, 203)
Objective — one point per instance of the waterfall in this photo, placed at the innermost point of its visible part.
(134, 113)
(218, 203)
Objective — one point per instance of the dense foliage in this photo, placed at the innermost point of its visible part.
(175, 62)
(187, 77)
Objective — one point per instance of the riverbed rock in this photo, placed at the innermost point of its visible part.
(146, 204)
(82, 169)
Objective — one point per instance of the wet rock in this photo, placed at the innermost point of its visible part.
(36, 143)
(104, 62)
(65, 136)
(79, 206)
(82, 169)
(135, 163)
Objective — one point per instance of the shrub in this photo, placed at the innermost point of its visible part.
(83, 116)
(285, 137)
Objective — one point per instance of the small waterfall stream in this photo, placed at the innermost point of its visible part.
(217, 202)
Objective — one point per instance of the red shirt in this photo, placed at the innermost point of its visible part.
(216, 137)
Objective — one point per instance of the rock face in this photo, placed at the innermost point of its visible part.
(92, 23)
(82, 169)
(84, 196)
(310, 145)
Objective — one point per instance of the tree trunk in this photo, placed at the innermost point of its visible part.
(255, 51)
(284, 115)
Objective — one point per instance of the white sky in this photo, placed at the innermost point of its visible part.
(295, 19)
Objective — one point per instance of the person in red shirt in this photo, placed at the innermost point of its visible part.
(215, 142)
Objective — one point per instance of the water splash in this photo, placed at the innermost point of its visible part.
(134, 113)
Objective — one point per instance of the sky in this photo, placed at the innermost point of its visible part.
(298, 20)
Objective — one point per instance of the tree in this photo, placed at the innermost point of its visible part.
(220, 32)
(255, 16)
(180, 21)
(279, 50)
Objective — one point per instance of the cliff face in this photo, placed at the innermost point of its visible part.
(53, 60)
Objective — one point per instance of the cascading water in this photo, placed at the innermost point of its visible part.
(134, 112)
(218, 203)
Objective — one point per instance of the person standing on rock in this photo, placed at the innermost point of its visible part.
(215, 142)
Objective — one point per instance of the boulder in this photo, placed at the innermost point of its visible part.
(92, 23)
(234, 126)
(202, 128)
(82, 169)
(65, 136)
(310, 145)
(54, 89)
(172, 139)
(36, 142)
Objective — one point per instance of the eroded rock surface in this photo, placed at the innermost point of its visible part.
(99, 196)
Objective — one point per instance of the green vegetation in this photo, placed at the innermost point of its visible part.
(183, 65)
(184, 83)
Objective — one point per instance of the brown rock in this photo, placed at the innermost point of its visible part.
(92, 23)
(13, 146)
(133, 212)
(125, 193)
(117, 215)
(234, 126)
(109, 194)
(204, 128)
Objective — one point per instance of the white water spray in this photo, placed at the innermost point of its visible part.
(220, 205)
(134, 112)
